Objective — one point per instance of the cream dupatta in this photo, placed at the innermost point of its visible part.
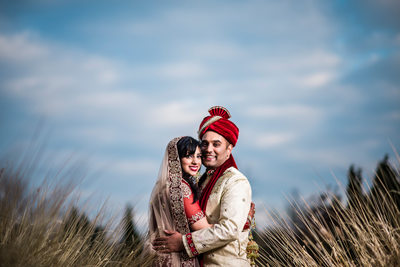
(167, 210)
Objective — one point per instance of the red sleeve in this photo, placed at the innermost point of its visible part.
(192, 210)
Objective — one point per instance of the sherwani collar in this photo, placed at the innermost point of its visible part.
(205, 194)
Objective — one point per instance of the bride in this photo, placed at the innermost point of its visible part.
(174, 200)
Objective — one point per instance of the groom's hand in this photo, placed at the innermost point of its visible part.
(170, 243)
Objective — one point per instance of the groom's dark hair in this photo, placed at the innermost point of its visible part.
(187, 146)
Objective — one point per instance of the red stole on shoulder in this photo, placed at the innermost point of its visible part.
(214, 178)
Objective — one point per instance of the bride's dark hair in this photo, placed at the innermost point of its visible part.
(187, 146)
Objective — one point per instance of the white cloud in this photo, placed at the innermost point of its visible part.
(318, 79)
(174, 114)
(284, 111)
(100, 134)
(133, 167)
(212, 49)
(268, 140)
(183, 70)
(79, 86)
(15, 48)
(107, 100)
(297, 62)
(280, 126)
(267, 215)
(338, 156)
(60, 82)
(102, 69)
(250, 57)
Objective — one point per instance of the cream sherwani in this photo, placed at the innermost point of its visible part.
(228, 206)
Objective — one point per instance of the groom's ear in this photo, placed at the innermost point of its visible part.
(229, 148)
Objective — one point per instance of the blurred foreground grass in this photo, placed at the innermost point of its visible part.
(363, 231)
(41, 227)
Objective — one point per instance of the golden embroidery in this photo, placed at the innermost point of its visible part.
(176, 195)
(221, 181)
(187, 192)
(199, 215)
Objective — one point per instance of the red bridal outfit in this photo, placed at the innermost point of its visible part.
(192, 210)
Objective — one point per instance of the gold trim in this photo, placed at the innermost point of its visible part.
(208, 123)
(176, 197)
(221, 107)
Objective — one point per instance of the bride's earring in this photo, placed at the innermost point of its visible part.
(196, 178)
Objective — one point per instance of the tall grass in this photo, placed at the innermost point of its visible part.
(365, 233)
(42, 227)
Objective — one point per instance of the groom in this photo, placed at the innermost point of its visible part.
(225, 199)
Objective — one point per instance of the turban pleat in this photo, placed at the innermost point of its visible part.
(219, 122)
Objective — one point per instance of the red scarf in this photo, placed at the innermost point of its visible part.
(205, 194)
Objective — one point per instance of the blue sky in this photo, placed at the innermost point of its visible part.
(313, 86)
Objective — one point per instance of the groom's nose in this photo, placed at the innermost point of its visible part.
(208, 148)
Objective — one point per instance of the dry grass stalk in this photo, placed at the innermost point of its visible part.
(42, 228)
(366, 233)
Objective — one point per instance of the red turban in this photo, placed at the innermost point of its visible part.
(219, 122)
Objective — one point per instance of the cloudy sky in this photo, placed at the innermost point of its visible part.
(313, 86)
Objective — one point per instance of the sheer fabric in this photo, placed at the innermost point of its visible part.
(167, 210)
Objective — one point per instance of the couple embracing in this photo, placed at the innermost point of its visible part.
(201, 222)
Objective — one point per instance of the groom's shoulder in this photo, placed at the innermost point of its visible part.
(235, 179)
(233, 174)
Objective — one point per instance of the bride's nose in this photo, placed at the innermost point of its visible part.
(195, 160)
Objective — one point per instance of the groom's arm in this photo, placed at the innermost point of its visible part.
(234, 209)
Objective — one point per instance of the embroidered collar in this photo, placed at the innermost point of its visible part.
(210, 172)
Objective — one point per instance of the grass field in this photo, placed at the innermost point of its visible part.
(41, 227)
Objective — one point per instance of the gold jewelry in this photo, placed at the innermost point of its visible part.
(252, 247)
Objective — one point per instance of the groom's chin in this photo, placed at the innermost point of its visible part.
(209, 165)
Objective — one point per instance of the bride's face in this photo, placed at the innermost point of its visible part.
(191, 163)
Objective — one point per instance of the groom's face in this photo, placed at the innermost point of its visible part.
(215, 149)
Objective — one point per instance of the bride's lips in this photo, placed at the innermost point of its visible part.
(193, 168)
